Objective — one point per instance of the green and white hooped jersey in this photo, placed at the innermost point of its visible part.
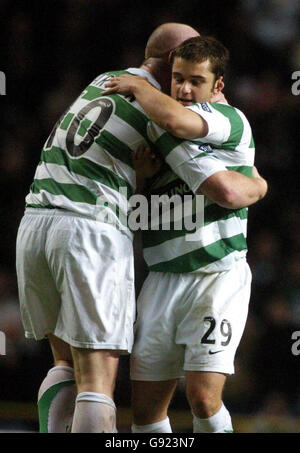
(221, 240)
(86, 163)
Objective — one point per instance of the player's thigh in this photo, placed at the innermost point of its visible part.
(155, 355)
(39, 298)
(93, 266)
(151, 399)
(95, 369)
(213, 325)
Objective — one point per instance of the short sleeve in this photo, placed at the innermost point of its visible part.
(186, 158)
(219, 126)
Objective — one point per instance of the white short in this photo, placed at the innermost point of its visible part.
(76, 280)
(190, 322)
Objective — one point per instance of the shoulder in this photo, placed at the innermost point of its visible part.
(227, 110)
(235, 117)
(217, 109)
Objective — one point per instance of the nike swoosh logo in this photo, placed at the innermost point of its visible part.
(215, 352)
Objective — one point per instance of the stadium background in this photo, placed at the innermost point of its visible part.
(50, 50)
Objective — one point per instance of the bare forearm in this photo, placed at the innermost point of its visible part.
(234, 190)
(158, 106)
(162, 109)
(247, 191)
(168, 113)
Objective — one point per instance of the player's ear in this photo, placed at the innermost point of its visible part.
(170, 57)
(219, 85)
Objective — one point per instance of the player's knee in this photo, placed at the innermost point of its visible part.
(204, 403)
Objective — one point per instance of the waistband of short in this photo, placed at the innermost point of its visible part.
(55, 211)
(63, 212)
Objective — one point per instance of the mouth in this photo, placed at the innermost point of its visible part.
(186, 102)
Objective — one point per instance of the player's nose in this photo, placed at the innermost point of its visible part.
(186, 87)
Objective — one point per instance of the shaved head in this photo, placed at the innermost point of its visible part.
(166, 37)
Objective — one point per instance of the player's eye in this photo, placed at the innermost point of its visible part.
(178, 80)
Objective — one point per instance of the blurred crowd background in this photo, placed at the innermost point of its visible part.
(50, 50)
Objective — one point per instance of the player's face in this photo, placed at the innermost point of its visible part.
(192, 82)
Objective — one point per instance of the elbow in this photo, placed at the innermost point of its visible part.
(263, 189)
(229, 198)
(219, 189)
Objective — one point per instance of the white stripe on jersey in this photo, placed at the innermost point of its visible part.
(208, 235)
(65, 176)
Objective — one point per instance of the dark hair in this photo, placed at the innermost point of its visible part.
(202, 48)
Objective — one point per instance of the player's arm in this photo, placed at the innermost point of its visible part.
(162, 109)
(205, 173)
(208, 176)
(230, 189)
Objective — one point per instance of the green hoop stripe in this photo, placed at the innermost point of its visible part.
(73, 192)
(167, 142)
(244, 169)
(202, 257)
(236, 123)
(212, 213)
(86, 168)
(115, 147)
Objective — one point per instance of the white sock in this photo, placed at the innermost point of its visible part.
(56, 400)
(94, 413)
(217, 423)
(159, 427)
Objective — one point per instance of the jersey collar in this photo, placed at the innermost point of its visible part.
(144, 73)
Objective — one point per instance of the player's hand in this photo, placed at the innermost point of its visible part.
(124, 84)
(145, 162)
